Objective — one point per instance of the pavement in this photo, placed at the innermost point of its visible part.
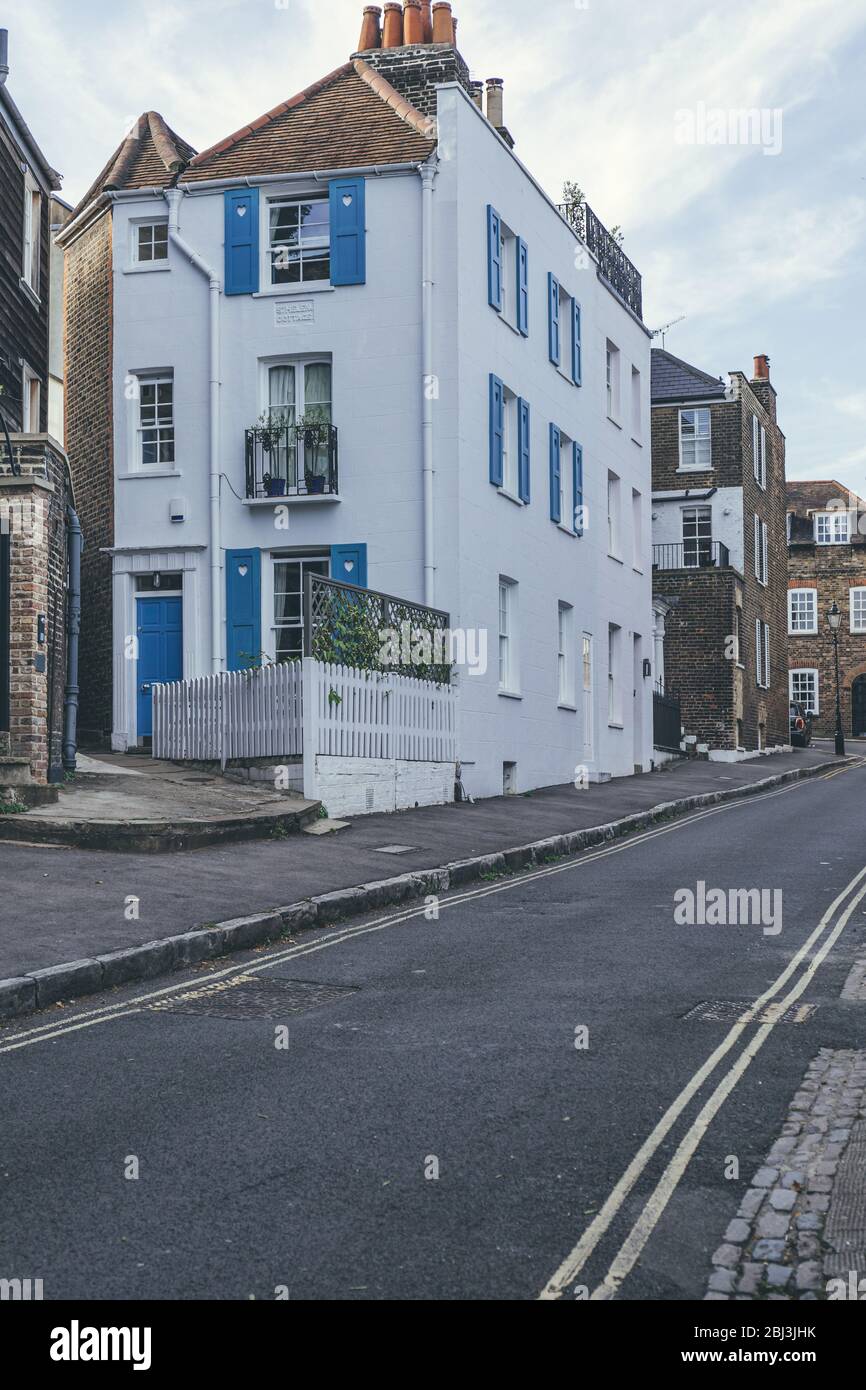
(530, 1087)
(137, 803)
(63, 904)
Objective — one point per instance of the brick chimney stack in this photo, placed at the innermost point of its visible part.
(414, 49)
(762, 385)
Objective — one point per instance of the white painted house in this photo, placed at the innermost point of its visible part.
(389, 270)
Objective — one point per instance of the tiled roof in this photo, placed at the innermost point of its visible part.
(351, 118)
(151, 156)
(675, 380)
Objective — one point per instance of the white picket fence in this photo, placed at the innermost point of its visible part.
(304, 708)
(367, 714)
(236, 714)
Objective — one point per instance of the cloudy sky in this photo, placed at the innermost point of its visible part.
(760, 252)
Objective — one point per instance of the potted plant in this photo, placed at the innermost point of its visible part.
(316, 435)
(274, 487)
(270, 429)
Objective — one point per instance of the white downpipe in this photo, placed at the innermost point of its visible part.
(428, 175)
(173, 197)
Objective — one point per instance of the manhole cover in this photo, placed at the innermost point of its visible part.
(251, 998)
(730, 1010)
(395, 849)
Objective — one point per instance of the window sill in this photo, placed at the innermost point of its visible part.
(566, 530)
(509, 694)
(615, 724)
(708, 469)
(284, 501)
(511, 497)
(617, 559)
(293, 291)
(133, 473)
(614, 422)
(146, 269)
(637, 569)
(508, 324)
(638, 442)
(30, 292)
(563, 704)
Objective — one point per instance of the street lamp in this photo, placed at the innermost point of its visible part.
(834, 618)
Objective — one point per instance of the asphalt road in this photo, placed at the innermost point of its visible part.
(312, 1168)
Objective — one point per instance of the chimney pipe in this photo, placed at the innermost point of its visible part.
(494, 102)
(371, 32)
(413, 24)
(443, 22)
(427, 20)
(4, 56)
(762, 368)
(392, 34)
(478, 94)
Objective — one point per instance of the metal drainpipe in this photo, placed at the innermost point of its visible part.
(428, 174)
(173, 197)
(70, 698)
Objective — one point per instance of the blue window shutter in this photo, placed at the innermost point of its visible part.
(522, 287)
(242, 241)
(523, 435)
(497, 430)
(576, 345)
(555, 466)
(577, 469)
(553, 319)
(494, 258)
(243, 609)
(349, 564)
(348, 232)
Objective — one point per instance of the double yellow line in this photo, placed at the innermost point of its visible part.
(631, 1249)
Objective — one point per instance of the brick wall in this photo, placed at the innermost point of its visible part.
(833, 570)
(89, 442)
(694, 651)
(33, 513)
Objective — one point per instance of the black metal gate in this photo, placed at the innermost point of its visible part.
(667, 722)
(4, 631)
(858, 706)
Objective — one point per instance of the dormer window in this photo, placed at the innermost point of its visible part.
(832, 528)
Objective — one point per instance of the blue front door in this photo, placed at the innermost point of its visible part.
(160, 652)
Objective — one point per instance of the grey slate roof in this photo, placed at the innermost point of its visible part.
(675, 380)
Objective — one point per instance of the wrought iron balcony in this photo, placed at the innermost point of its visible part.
(292, 461)
(614, 264)
(692, 555)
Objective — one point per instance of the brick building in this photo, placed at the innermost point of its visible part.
(720, 553)
(827, 565)
(37, 522)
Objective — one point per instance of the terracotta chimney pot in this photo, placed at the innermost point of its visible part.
(392, 33)
(443, 23)
(762, 368)
(371, 31)
(494, 102)
(427, 20)
(413, 24)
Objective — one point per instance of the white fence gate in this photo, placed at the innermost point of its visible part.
(236, 714)
(368, 714)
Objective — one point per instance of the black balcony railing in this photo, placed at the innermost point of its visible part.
(692, 555)
(292, 461)
(614, 264)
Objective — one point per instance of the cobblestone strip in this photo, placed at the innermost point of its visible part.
(784, 1243)
(855, 985)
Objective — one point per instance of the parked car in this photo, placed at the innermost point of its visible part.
(801, 725)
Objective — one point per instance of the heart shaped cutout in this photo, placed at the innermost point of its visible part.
(243, 571)
(241, 211)
(347, 200)
(350, 565)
